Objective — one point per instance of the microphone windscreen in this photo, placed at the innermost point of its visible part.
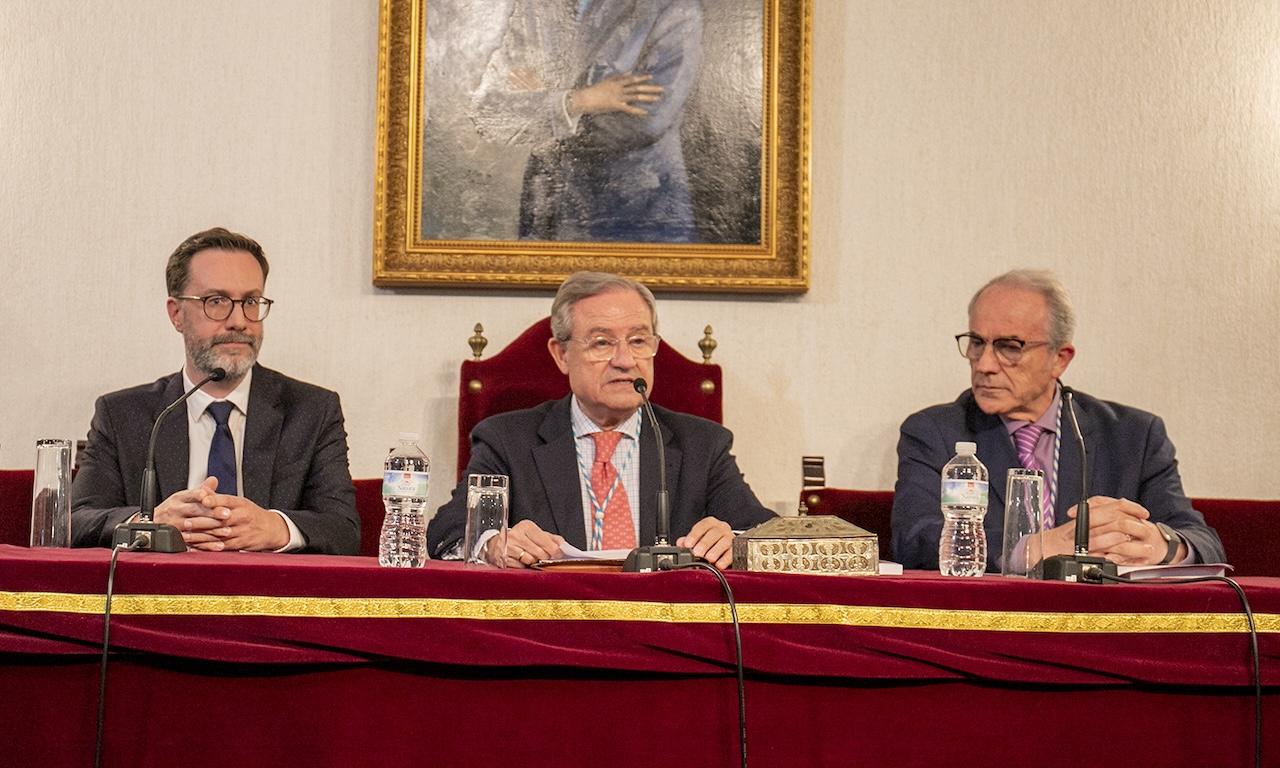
(217, 374)
(640, 385)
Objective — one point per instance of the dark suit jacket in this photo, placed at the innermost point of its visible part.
(1130, 457)
(294, 459)
(535, 448)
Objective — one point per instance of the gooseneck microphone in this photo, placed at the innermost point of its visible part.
(146, 534)
(661, 556)
(1079, 565)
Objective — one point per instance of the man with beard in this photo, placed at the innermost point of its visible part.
(258, 461)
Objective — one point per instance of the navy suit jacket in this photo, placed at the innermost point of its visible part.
(535, 449)
(294, 459)
(1130, 457)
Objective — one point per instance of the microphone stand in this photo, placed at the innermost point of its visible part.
(1079, 565)
(146, 535)
(661, 556)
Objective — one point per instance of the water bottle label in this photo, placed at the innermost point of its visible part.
(965, 492)
(399, 483)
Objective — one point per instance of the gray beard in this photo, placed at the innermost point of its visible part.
(206, 357)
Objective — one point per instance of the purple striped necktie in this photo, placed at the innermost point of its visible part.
(1025, 439)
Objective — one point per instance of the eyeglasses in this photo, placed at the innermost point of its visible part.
(218, 307)
(599, 348)
(1007, 348)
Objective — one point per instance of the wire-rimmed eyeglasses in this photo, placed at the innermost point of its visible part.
(599, 348)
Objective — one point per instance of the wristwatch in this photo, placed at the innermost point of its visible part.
(1171, 538)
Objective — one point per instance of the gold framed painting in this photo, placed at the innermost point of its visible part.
(521, 140)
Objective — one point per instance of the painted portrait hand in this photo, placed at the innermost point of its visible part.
(619, 93)
(186, 511)
(526, 544)
(712, 540)
(243, 526)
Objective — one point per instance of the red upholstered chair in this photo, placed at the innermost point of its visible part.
(523, 375)
(1248, 530)
(369, 507)
(15, 506)
(869, 510)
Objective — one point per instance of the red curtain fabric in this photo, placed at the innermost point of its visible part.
(316, 660)
(206, 715)
(261, 608)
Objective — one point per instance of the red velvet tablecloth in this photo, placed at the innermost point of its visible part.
(596, 667)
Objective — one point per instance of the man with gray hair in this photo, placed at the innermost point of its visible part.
(584, 469)
(1018, 345)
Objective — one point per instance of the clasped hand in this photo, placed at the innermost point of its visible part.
(1119, 530)
(215, 522)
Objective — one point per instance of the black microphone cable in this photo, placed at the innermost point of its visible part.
(737, 642)
(106, 640)
(1253, 639)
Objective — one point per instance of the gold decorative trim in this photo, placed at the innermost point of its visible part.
(622, 610)
(778, 263)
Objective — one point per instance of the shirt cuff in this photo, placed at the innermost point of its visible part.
(296, 539)
(568, 123)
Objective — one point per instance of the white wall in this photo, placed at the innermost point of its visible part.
(1133, 147)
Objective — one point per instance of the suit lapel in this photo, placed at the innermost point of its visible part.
(557, 460)
(172, 442)
(649, 478)
(1069, 459)
(995, 449)
(262, 432)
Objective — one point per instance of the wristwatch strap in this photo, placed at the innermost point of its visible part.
(1171, 539)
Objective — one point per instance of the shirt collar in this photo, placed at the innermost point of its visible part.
(583, 425)
(199, 401)
(1048, 420)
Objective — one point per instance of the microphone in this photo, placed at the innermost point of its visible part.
(146, 535)
(1079, 565)
(661, 556)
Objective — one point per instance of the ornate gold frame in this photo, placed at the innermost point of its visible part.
(778, 264)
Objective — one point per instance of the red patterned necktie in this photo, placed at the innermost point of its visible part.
(1025, 439)
(618, 530)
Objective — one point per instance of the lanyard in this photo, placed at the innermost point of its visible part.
(1057, 453)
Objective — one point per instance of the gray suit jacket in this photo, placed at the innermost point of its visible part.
(294, 459)
(1130, 457)
(535, 448)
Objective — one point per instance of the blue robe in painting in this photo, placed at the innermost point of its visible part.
(609, 177)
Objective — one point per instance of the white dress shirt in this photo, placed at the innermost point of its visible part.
(200, 429)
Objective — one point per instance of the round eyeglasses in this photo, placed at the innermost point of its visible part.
(218, 307)
(1008, 349)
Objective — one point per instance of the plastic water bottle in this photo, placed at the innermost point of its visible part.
(962, 550)
(403, 543)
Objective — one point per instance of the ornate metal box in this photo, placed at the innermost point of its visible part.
(818, 544)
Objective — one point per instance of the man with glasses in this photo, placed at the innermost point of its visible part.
(256, 461)
(1018, 346)
(583, 469)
